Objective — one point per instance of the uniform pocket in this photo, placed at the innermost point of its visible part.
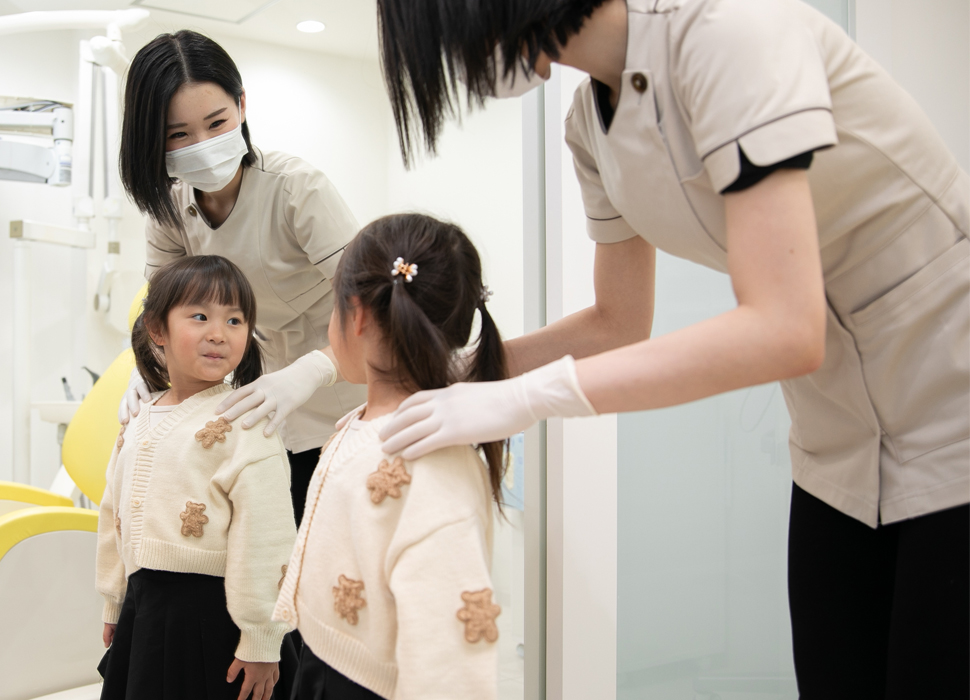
(914, 342)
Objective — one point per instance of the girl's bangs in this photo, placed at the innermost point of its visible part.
(217, 283)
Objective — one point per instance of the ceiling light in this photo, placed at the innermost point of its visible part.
(311, 26)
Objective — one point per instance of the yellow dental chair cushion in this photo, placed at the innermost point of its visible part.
(93, 431)
(14, 496)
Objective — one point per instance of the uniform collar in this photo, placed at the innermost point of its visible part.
(190, 204)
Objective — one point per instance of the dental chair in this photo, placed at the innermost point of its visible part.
(50, 613)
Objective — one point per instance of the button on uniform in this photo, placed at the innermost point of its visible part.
(193, 211)
(136, 502)
(285, 613)
(639, 81)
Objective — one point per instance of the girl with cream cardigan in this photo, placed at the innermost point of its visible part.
(196, 522)
(389, 581)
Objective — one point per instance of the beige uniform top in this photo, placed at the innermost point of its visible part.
(286, 233)
(881, 430)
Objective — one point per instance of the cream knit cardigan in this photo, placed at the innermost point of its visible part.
(389, 580)
(196, 494)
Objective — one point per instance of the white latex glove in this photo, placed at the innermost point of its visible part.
(279, 393)
(473, 413)
(137, 392)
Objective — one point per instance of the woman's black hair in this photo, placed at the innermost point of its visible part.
(186, 281)
(158, 70)
(428, 45)
(426, 321)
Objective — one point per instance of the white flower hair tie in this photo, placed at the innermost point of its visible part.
(408, 271)
(486, 293)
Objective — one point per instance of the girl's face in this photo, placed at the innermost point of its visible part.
(347, 346)
(200, 111)
(203, 343)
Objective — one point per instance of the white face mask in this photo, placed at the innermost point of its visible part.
(516, 83)
(208, 165)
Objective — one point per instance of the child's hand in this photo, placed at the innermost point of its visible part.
(108, 634)
(259, 678)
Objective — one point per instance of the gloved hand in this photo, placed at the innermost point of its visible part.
(473, 413)
(137, 392)
(279, 393)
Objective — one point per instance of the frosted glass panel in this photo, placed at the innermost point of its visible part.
(838, 10)
(703, 493)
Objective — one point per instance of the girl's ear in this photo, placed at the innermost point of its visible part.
(360, 317)
(157, 336)
(242, 107)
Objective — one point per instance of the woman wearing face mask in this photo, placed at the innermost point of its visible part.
(756, 138)
(188, 163)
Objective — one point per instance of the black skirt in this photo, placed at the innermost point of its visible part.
(318, 680)
(175, 640)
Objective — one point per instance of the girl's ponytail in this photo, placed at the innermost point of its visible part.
(415, 343)
(489, 365)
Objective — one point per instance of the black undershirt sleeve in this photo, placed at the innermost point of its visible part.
(752, 174)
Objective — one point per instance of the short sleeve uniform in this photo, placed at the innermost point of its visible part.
(882, 430)
(286, 233)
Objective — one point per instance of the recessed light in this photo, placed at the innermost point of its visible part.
(311, 26)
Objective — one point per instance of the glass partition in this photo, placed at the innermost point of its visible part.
(702, 522)
(703, 493)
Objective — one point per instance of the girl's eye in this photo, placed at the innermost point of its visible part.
(199, 317)
(217, 123)
(177, 135)
(235, 322)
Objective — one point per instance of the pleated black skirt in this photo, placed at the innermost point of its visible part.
(317, 680)
(175, 640)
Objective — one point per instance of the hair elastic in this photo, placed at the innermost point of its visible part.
(408, 270)
(486, 293)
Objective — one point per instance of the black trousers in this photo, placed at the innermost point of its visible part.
(302, 465)
(317, 680)
(879, 614)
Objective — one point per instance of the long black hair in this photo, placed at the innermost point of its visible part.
(186, 281)
(427, 44)
(426, 321)
(158, 70)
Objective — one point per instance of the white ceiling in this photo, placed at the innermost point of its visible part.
(351, 24)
